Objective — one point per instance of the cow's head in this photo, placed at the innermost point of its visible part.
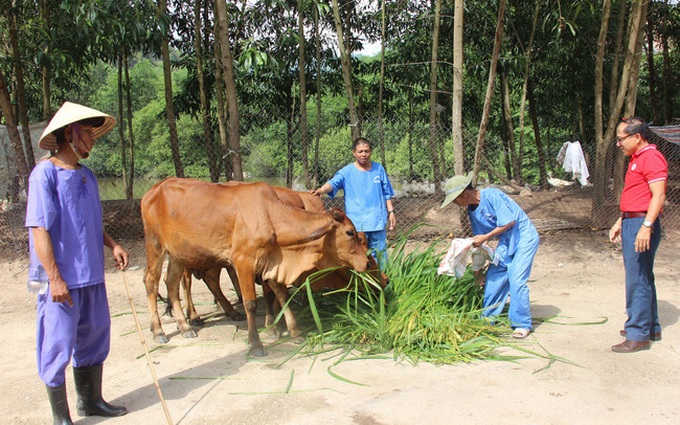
(342, 245)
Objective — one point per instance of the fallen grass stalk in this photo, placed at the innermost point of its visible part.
(282, 392)
(205, 378)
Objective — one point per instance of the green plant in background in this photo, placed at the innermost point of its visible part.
(420, 316)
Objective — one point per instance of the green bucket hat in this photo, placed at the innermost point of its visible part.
(455, 186)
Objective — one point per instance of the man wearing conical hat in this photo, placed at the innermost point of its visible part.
(66, 235)
(493, 214)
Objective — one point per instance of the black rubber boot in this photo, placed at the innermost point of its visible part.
(89, 388)
(59, 403)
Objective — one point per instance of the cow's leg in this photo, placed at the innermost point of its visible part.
(246, 277)
(212, 280)
(192, 314)
(281, 292)
(174, 275)
(272, 310)
(152, 275)
(234, 282)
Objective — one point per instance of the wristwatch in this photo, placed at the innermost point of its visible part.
(647, 223)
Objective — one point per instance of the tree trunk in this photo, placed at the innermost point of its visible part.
(21, 178)
(479, 150)
(652, 71)
(45, 66)
(527, 67)
(618, 48)
(631, 99)
(130, 181)
(411, 173)
(227, 62)
(457, 96)
(434, 151)
(289, 143)
(600, 197)
(345, 61)
(601, 145)
(317, 135)
(668, 71)
(542, 160)
(20, 91)
(121, 114)
(208, 139)
(503, 132)
(304, 132)
(169, 103)
(381, 128)
(221, 110)
(581, 120)
(510, 128)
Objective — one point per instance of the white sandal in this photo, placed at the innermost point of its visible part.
(521, 333)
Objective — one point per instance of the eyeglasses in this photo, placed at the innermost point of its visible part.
(621, 139)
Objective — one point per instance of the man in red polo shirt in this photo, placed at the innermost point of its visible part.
(639, 231)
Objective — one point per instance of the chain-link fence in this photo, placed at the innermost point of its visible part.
(271, 151)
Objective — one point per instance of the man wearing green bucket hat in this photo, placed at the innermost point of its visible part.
(493, 214)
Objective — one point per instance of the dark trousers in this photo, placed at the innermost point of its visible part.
(641, 303)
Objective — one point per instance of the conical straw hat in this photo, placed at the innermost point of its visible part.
(72, 112)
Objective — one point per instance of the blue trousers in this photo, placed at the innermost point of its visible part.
(641, 303)
(377, 241)
(81, 332)
(510, 277)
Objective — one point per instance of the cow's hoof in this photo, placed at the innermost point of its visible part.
(238, 317)
(189, 334)
(298, 340)
(161, 339)
(197, 322)
(272, 333)
(257, 352)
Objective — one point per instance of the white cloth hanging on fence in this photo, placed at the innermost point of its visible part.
(461, 253)
(572, 159)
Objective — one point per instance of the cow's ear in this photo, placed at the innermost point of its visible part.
(337, 215)
(318, 233)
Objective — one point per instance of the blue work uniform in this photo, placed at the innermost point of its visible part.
(365, 196)
(67, 204)
(515, 252)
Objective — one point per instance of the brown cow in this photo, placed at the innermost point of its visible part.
(295, 199)
(203, 226)
(336, 279)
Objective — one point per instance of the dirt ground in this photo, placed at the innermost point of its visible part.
(577, 281)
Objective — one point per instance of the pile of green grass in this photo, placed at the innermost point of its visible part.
(420, 316)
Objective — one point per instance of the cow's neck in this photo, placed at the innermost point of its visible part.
(300, 227)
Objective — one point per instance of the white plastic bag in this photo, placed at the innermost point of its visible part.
(461, 253)
(481, 256)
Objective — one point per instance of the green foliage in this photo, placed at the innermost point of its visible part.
(81, 43)
(420, 316)
(265, 151)
(335, 151)
(408, 154)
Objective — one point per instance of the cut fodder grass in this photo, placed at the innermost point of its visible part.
(420, 316)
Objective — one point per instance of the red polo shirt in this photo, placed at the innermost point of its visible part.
(646, 166)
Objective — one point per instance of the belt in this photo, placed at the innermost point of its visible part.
(625, 215)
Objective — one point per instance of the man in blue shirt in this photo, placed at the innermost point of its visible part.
(368, 197)
(492, 214)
